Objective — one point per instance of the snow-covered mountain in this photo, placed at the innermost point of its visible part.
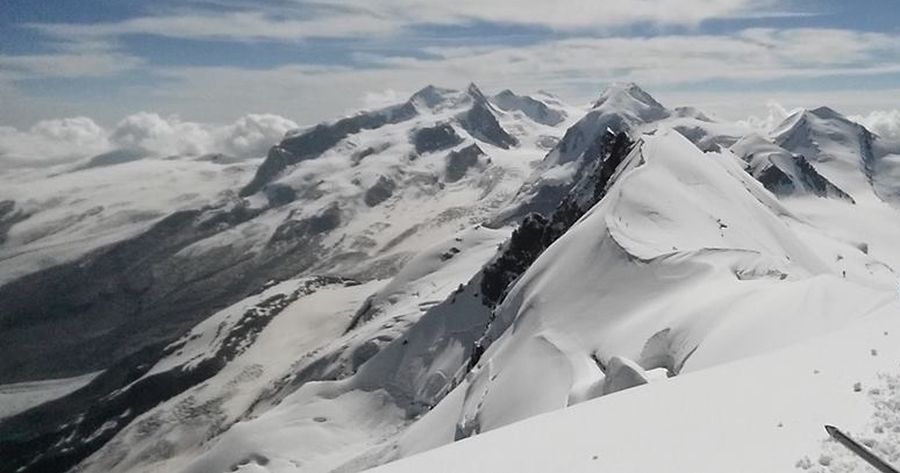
(436, 270)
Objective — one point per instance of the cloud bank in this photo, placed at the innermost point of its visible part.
(57, 141)
(884, 123)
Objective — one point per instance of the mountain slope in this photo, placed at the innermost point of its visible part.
(361, 208)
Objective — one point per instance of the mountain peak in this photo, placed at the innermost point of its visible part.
(473, 91)
(826, 113)
(627, 90)
(431, 96)
(816, 118)
(630, 98)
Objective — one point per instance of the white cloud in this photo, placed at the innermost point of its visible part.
(884, 123)
(373, 100)
(776, 113)
(229, 26)
(70, 58)
(51, 142)
(67, 65)
(249, 136)
(292, 21)
(164, 136)
(56, 141)
(252, 135)
(567, 14)
(576, 68)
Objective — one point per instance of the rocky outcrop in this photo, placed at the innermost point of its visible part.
(9, 216)
(382, 190)
(459, 162)
(435, 138)
(536, 233)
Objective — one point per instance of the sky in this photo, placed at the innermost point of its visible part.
(73, 67)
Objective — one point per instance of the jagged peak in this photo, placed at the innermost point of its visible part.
(473, 91)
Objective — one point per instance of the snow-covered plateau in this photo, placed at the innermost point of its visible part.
(460, 282)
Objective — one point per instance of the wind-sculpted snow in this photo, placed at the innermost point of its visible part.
(643, 263)
(764, 413)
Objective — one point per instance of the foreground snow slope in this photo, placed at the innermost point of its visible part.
(762, 414)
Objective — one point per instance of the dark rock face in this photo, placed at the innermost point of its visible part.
(536, 233)
(311, 144)
(279, 194)
(382, 190)
(296, 230)
(776, 181)
(8, 218)
(813, 180)
(436, 138)
(55, 436)
(523, 247)
(6, 207)
(458, 162)
(481, 123)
